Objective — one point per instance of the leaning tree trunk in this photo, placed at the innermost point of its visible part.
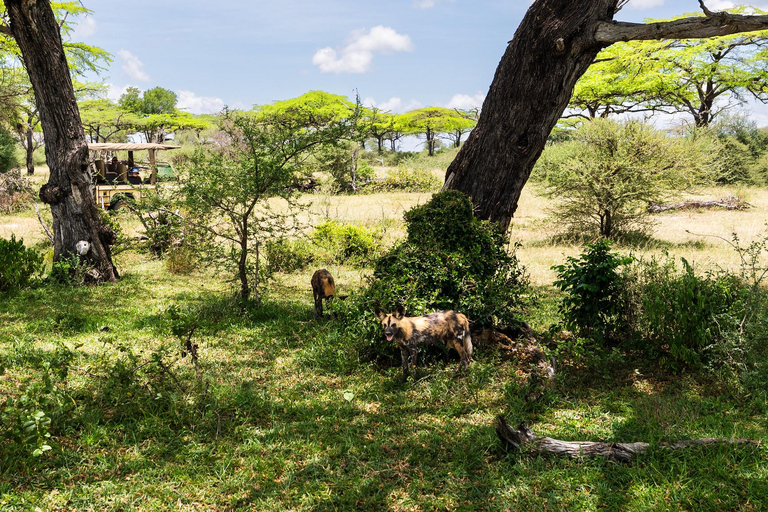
(68, 191)
(553, 46)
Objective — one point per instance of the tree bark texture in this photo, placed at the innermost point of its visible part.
(620, 452)
(553, 46)
(68, 191)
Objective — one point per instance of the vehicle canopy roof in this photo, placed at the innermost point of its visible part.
(128, 146)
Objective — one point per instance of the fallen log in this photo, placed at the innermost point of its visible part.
(516, 439)
(728, 203)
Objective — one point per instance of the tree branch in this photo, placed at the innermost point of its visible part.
(5, 29)
(712, 25)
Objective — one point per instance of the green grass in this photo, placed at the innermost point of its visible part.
(286, 416)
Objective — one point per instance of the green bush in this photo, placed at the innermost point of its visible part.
(450, 260)
(18, 264)
(347, 243)
(407, 179)
(594, 304)
(684, 312)
(8, 146)
(70, 271)
(289, 255)
(603, 179)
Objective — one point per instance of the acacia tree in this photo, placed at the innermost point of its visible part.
(431, 122)
(554, 45)
(36, 31)
(231, 188)
(688, 76)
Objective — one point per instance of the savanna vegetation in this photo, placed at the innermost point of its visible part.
(201, 380)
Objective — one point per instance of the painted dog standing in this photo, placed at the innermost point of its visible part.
(323, 288)
(446, 327)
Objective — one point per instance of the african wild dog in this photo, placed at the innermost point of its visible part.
(323, 288)
(446, 327)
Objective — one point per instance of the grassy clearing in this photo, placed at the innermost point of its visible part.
(286, 416)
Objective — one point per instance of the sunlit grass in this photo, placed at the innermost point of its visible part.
(287, 415)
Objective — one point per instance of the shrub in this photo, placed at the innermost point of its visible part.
(408, 179)
(69, 271)
(450, 260)
(289, 255)
(684, 312)
(606, 175)
(594, 302)
(347, 243)
(18, 264)
(8, 158)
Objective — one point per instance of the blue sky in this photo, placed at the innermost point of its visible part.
(398, 54)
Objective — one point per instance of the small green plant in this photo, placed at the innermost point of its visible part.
(18, 264)
(285, 255)
(684, 311)
(408, 179)
(8, 158)
(69, 271)
(347, 243)
(593, 304)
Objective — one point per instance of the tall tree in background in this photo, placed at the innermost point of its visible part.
(68, 191)
(553, 47)
(698, 77)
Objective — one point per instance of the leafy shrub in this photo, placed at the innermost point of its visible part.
(69, 271)
(407, 179)
(289, 255)
(8, 158)
(18, 264)
(450, 260)
(605, 176)
(594, 302)
(347, 243)
(680, 309)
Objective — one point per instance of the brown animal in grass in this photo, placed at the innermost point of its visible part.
(448, 328)
(323, 288)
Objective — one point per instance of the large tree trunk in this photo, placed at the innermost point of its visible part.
(68, 191)
(553, 46)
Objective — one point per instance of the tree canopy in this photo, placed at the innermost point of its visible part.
(699, 77)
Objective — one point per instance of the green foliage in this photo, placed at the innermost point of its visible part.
(450, 260)
(594, 304)
(604, 178)
(285, 255)
(8, 158)
(232, 189)
(342, 162)
(69, 271)
(407, 179)
(347, 243)
(683, 311)
(18, 264)
(742, 149)
(691, 76)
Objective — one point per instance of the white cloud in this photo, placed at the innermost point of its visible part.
(394, 105)
(84, 28)
(357, 55)
(133, 68)
(190, 102)
(114, 92)
(427, 4)
(465, 101)
(645, 4)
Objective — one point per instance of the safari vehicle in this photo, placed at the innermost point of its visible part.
(116, 180)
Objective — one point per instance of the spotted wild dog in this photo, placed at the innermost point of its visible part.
(323, 288)
(446, 327)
